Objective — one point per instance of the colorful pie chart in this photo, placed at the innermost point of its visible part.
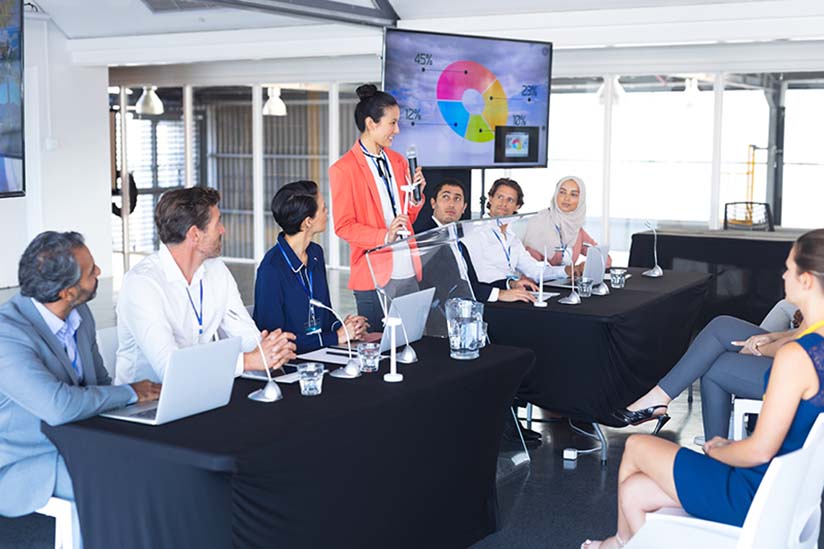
(454, 81)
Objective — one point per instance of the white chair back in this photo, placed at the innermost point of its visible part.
(107, 345)
(786, 509)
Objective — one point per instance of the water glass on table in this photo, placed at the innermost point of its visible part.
(617, 277)
(311, 378)
(585, 287)
(369, 356)
(466, 326)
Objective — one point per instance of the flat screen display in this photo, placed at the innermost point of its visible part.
(455, 92)
(11, 98)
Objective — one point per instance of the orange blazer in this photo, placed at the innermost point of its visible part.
(358, 214)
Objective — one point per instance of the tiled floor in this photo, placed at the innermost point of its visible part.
(554, 504)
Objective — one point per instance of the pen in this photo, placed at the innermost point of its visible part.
(339, 353)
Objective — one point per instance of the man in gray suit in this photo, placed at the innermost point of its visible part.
(50, 369)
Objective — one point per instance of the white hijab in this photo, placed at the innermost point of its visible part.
(542, 231)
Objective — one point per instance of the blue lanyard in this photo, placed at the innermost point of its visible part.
(562, 246)
(386, 176)
(507, 250)
(310, 290)
(198, 315)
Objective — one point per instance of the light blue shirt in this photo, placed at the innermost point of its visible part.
(64, 331)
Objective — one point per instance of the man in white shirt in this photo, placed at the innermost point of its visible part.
(498, 254)
(183, 294)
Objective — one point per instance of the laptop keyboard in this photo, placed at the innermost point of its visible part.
(146, 414)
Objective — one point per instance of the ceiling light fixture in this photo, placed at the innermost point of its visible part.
(274, 105)
(149, 102)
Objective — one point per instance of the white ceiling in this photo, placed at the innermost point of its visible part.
(110, 18)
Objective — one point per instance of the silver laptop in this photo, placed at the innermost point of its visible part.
(594, 268)
(413, 310)
(197, 379)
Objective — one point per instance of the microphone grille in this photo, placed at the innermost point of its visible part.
(411, 152)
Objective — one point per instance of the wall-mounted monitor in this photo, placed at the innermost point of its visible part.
(469, 102)
(12, 173)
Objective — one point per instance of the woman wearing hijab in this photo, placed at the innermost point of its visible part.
(559, 229)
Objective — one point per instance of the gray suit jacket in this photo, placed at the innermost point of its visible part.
(37, 383)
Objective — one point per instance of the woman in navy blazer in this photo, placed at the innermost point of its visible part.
(293, 271)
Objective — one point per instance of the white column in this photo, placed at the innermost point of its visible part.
(606, 154)
(125, 199)
(188, 136)
(258, 231)
(715, 179)
(333, 253)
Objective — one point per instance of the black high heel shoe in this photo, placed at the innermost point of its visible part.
(637, 417)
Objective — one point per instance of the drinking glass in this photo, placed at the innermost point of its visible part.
(369, 355)
(585, 287)
(617, 277)
(311, 378)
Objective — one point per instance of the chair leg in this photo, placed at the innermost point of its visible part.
(529, 415)
(689, 395)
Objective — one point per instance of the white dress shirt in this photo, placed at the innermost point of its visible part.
(156, 315)
(489, 246)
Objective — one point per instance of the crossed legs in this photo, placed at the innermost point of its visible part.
(645, 484)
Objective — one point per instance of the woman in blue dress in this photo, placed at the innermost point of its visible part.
(720, 484)
(293, 272)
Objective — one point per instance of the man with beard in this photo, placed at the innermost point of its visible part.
(183, 294)
(50, 369)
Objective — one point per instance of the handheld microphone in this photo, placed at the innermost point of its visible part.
(412, 158)
(352, 368)
(270, 392)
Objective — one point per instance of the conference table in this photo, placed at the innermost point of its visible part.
(746, 266)
(365, 464)
(601, 355)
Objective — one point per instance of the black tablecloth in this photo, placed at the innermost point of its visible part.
(604, 353)
(366, 464)
(747, 268)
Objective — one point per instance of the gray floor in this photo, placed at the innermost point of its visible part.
(552, 505)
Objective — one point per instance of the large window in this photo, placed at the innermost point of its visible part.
(803, 158)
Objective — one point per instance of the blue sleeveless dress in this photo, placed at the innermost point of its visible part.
(712, 490)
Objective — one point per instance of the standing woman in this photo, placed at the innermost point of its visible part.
(368, 203)
(293, 272)
(559, 229)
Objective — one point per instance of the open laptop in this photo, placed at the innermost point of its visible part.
(594, 268)
(197, 379)
(413, 310)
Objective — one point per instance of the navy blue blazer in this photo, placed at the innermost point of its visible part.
(281, 300)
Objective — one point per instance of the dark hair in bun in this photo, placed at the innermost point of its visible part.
(372, 104)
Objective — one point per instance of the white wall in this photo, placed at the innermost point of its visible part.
(67, 188)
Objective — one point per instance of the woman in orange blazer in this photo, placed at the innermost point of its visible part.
(367, 200)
